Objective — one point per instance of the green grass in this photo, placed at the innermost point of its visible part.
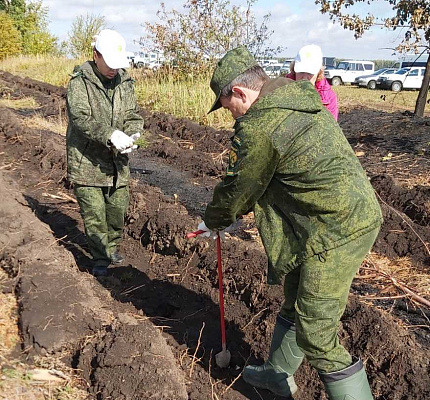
(190, 96)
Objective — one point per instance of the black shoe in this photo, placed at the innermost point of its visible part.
(117, 258)
(99, 271)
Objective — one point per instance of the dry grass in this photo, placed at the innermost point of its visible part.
(50, 69)
(37, 121)
(19, 104)
(190, 96)
(351, 96)
(397, 277)
(18, 380)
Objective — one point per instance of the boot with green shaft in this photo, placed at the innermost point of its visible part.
(276, 374)
(348, 384)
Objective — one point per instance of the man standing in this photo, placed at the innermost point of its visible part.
(103, 124)
(316, 212)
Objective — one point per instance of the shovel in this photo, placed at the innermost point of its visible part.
(222, 359)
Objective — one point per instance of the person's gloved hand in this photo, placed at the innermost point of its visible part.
(121, 141)
(213, 234)
(208, 233)
(134, 137)
(235, 225)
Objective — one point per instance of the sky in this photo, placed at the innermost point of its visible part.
(295, 23)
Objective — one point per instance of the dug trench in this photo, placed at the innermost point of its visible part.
(151, 328)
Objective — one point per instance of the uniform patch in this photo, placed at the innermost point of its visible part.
(233, 156)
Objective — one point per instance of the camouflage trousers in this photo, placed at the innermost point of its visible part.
(103, 210)
(316, 294)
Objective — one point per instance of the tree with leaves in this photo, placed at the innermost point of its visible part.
(411, 14)
(10, 38)
(31, 20)
(204, 31)
(80, 37)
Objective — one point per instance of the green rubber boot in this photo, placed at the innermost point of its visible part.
(348, 384)
(276, 374)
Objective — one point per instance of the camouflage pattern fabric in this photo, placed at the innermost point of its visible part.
(292, 165)
(234, 63)
(103, 210)
(316, 294)
(94, 112)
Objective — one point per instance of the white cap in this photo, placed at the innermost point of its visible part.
(308, 59)
(111, 45)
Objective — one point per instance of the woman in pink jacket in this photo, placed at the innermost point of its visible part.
(308, 65)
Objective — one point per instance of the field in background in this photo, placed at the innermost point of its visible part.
(190, 96)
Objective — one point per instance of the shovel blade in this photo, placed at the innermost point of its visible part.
(222, 359)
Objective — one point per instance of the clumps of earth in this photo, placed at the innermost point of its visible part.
(151, 328)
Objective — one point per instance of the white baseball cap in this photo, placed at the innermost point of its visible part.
(308, 59)
(111, 45)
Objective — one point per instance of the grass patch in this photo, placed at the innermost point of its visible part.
(385, 100)
(50, 69)
(184, 97)
(190, 96)
(396, 278)
(38, 122)
(19, 104)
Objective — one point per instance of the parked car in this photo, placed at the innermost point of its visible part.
(285, 69)
(273, 70)
(155, 65)
(369, 81)
(347, 71)
(405, 78)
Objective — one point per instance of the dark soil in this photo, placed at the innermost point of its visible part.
(151, 329)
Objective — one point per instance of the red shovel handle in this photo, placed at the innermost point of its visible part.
(195, 233)
(221, 291)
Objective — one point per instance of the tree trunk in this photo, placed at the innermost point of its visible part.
(422, 96)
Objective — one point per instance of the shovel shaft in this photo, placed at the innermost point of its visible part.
(221, 292)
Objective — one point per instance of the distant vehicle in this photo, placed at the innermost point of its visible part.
(369, 81)
(273, 70)
(405, 78)
(329, 62)
(154, 65)
(130, 57)
(139, 62)
(285, 69)
(347, 71)
(263, 63)
(412, 60)
(405, 64)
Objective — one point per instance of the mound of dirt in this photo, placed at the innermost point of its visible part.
(110, 327)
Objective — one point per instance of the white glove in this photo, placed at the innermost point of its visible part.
(235, 225)
(213, 234)
(121, 141)
(208, 233)
(135, 136)
(135, 146)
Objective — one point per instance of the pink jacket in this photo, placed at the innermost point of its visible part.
(328, 97)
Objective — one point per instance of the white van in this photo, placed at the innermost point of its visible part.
(347, 71)
(274, 70)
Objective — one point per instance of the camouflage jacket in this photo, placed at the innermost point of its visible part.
(291, 164)
(94, 112)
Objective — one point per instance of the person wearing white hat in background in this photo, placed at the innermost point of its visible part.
(103, 125)
(308, 65)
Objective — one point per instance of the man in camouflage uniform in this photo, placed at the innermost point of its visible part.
(103, 123)
(316, 212)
